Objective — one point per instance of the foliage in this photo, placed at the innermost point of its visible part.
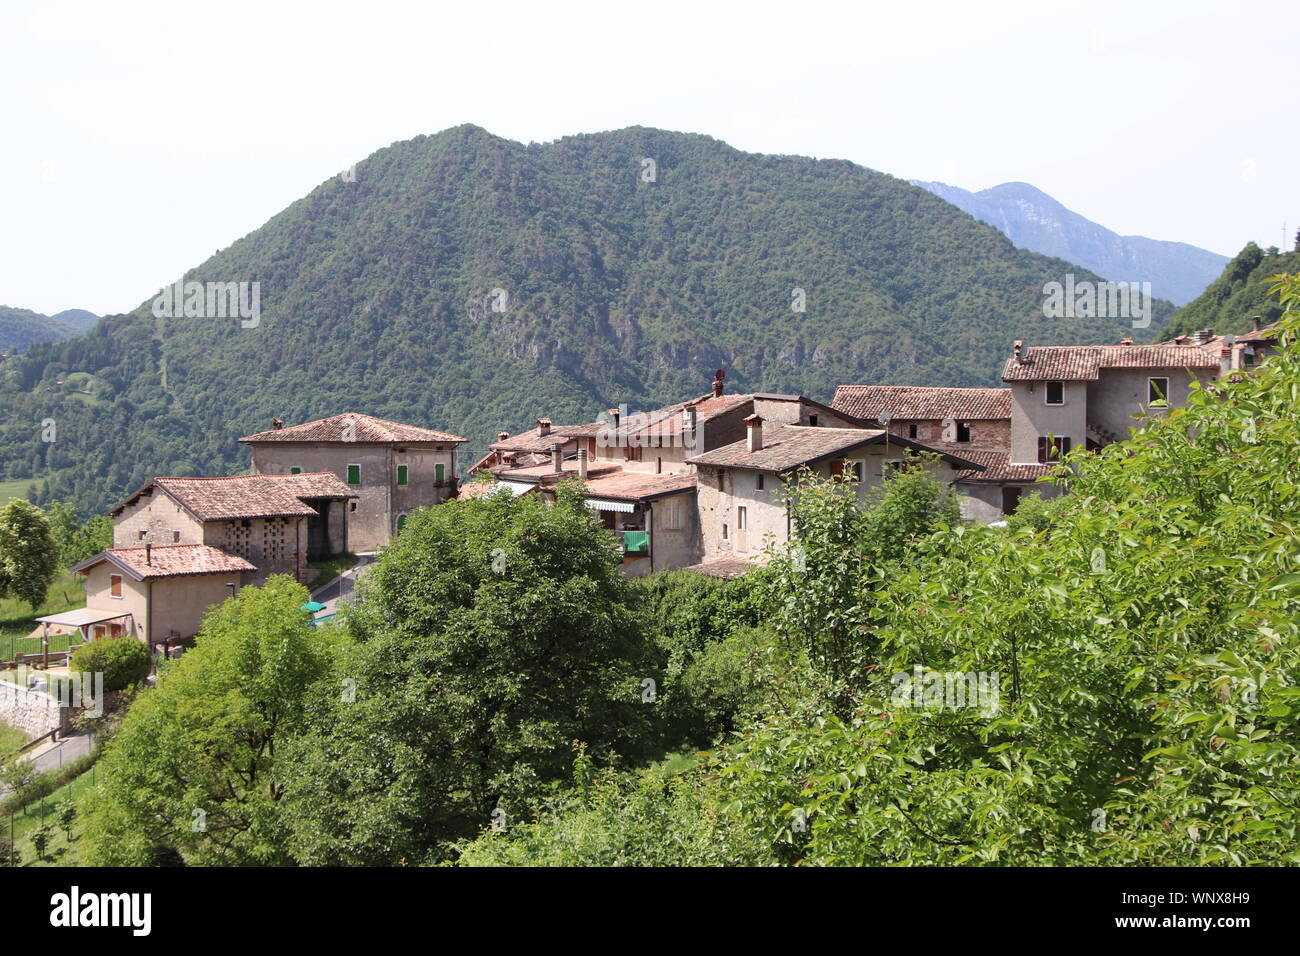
(620, 291)
(29, 559)
(196, 768)
(490, 634)
(1035, 513)
(124, 661)
(76, 540)
(1238, 295)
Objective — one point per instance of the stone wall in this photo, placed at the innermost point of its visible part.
(32, 712)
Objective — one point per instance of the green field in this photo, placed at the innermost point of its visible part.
(14, 489)
(59, 852)
(11, 738)
(17, 619)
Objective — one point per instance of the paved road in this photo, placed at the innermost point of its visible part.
(52, 756)
(344, 585)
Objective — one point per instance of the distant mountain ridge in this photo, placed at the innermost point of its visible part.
(22, 328)
(470, 283)
(1034, 220)
(1240, 295)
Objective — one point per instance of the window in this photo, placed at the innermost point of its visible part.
(143, 532)
(401, 523)
(670, 513)
(742, 518)
(891, 467)
(963, 432)
(1158, 392)
(115, 585)
(438, 472)
(352, 506)
(1054, 393)
(401, 474)
(759, 482)
(631, 454)
(1051, 449)
(812, 420)
(176, 537)
(854, 469)
(911, 430)
(295, 470)
(354, 474)
(724, 532)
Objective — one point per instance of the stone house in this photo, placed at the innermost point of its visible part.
(389, 468)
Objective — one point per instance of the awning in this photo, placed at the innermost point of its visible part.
(516, 487)
(604, 504)
(81, 617)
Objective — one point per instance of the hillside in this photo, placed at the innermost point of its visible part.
(1239, 294)
(1034, 220)
(377, 297)
(21, 328)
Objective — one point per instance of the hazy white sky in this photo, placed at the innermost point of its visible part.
(141, 137)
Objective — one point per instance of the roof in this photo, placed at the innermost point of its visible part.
(351, 427)
(905, 402)
(789, 446)
(638, 486)
(246, 496)
(998, 468)
(83, 616)
(725, 568)
(530, 441)
(1078, 363)
(169, 561)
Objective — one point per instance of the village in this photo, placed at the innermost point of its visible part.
(694, 485)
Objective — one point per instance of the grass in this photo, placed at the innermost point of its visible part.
(331, 568)
(60, 851)
(17, 619)
(11, 738)
(17, 488)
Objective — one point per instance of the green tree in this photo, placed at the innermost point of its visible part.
(124, 661)
(195, 769)
(67, 816)
(490, 634)
(41, 837)
(29, 558)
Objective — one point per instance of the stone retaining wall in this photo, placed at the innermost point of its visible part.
(32, 712)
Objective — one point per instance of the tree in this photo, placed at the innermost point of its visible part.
(195, 769)
(491, 634)
(124, 661)
(41, 837)
(67, 816)
(29, 558)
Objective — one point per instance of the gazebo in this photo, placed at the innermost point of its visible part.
(83, 619)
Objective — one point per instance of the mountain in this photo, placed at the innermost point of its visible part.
(1034, 220)
(20, 328)
(626, 266)
(1242, 292)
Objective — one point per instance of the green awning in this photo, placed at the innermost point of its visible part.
(314, 606)
(636, 542)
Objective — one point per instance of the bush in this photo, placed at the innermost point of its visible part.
(123, 661)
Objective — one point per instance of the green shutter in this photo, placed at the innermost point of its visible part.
(438, 471)
(401, 523)
(354, 474)
(295, 470)
(401, 474)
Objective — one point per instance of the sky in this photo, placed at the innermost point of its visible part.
(139, 138)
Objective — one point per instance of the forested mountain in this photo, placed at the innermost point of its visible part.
(1034, 220)
(20, 328)
(471, 283)
(1239, 294)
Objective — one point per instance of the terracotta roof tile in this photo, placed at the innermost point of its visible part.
(357, 428)
(907, 402)
(170, 560)
(998, 468)
(1076, 363)
(637, 486)
(247, 496)
(786, 447)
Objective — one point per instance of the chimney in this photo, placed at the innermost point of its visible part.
(582, 463)
(1125, 341)
(277, 424)
(1018, 350)
(1225, 361)
(718, 376)
(754, 432)
(613, 417)
(1203, 336)
(1256, 323)
(502, 436)
(557, 458)
(688, 418)
(543, 427)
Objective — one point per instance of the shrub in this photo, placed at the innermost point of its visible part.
(123, 661)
